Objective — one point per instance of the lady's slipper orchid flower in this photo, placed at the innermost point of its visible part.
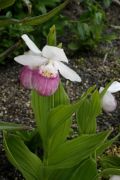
(41, 68)
(115, 177)
(109, 102)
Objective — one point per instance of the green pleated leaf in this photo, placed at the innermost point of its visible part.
(106, 145)
(60, 97)
(110, 171)
(59, 121)
(31, 138)
(59, 115)
(62, 174)
(59, 136)
(42, 106)
(87, 171)
(110, 165)
(22, 158)
(103, 147)
(90, 108)
(6, 3)
(110, 162)
(73, 152)
(89, 91)
(13, 126)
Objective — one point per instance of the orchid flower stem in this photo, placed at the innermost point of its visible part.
(45, 161)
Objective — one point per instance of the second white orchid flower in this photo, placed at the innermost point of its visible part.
(109, 102)
(115, 177)
(41, 68)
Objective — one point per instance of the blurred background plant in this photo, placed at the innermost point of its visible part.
(21, 18)
(86, 30)
(89, 29)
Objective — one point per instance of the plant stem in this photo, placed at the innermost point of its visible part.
(10, 50)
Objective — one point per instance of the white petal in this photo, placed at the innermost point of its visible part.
(30, 44)
(30, 60)
(67, 72)
(114, 87)
(54, 53)
(109, 103)
(115, 177)
(101, 89)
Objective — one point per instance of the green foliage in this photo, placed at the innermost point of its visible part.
(106, 145)
(51, 38)
(91, 167)
(107, 3)
(75, 151)
(110, 165)
(89, 29)
(22, 158)
(12, 126)
(89, 109)
(110, 162)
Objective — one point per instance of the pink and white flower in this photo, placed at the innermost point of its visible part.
(109, 102)
(41, 68)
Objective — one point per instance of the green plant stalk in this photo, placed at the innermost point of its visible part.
(10, 50)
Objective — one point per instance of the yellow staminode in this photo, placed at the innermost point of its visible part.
(47, 74)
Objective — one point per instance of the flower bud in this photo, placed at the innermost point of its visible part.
(109, 103)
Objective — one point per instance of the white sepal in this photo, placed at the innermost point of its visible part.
(114, 87)
(115, 177)
(31, 44)
(30, 60)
